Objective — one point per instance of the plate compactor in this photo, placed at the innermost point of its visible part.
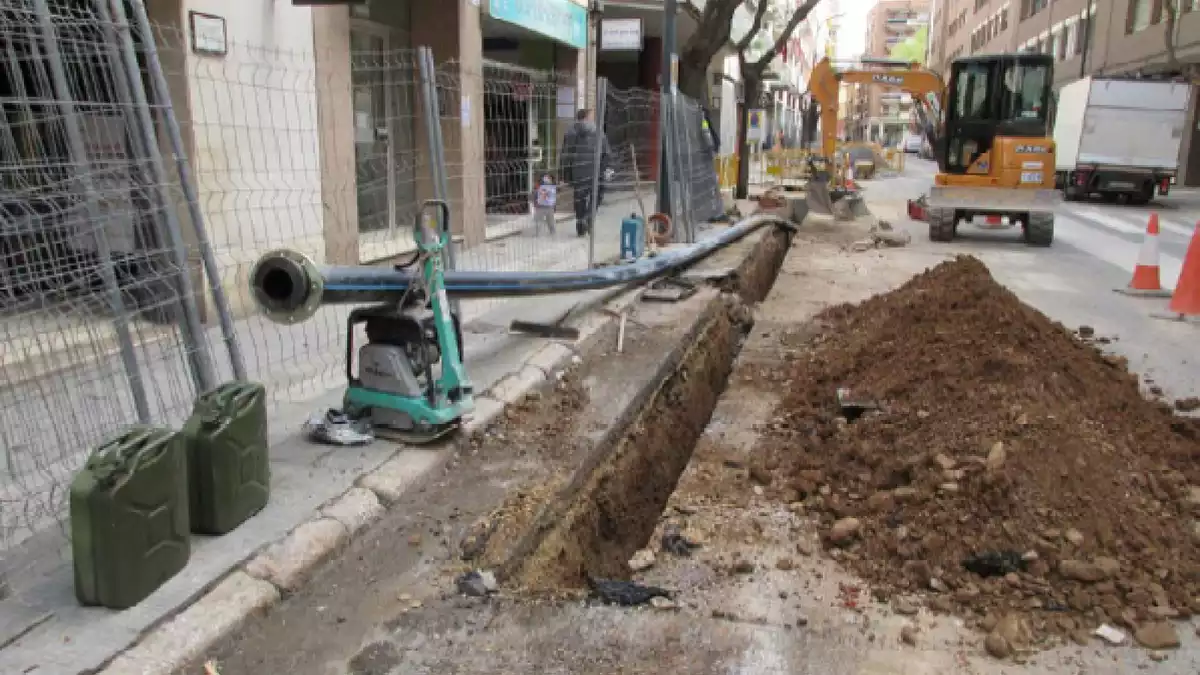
(410, 383)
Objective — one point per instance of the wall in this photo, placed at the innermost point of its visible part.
(253, 126)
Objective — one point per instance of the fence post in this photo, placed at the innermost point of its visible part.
(601, 141)
(79, 158)
(161, 93)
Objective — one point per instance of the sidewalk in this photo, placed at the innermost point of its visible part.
(42, 625)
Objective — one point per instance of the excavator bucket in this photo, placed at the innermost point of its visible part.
(817, 196)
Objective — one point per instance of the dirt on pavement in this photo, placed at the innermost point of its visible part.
(1000, 466)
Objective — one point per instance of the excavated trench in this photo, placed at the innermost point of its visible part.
(613, 510)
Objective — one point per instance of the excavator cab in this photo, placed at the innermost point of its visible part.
(991, 97)
(995, 150)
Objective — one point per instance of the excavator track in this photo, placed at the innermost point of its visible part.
(942, 224)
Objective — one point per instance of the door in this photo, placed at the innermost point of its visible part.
(374, 117)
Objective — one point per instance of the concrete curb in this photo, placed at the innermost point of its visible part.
(284, 565)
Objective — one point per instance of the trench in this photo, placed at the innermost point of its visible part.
(617, 505)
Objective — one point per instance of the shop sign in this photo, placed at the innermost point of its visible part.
(621, 35)
(560, 20)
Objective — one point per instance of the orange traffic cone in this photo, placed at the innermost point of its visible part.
(1186, 300)
(1146, 280)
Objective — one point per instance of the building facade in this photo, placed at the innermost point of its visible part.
(1118, 38)
(883, 115)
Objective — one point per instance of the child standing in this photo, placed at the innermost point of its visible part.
(545, 198)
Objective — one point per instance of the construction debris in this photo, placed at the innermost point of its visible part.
(1011, 467)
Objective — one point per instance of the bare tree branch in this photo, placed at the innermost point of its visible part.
(798, 16)
(692, 10)
(759, 12)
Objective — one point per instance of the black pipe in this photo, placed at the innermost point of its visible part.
(289, 287)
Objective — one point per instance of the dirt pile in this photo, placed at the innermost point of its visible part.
(1009, 465)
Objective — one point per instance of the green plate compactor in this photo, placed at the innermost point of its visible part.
(410, 382)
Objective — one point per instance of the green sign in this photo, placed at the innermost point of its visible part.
(561, 20)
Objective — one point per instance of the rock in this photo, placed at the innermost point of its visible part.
(1081, 637)
(937, 585)
(1078, 570)
(477, 583)
(844, 531)
(805, 546)
(760, 475)
(996, 646)
(1188, 404)
(1086, 331)
(414, 540)
(1030, 556)
(1158, 656)
(1109, 566)
(892, 238)
(1074, 536)
(1110, 634)
(996, 457)
(908, 635)
(743, 567)
(785, 564)
(905, 493)
(1192, 497)
(948, 488)
(863, 245)
(1157, 635)
(880, 501)
(1015, 631)
(988, 623)
(905, 607)
(664, 604)
(945, 461)
(642, 560)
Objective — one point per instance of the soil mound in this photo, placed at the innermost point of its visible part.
(1007, 466)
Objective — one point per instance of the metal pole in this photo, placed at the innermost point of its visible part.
(190, 329)
(601, 105)
(668, 85)
(437, 150)
(80, 161)
(161, 93)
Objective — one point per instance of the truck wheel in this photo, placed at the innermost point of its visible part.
(1039, 229)
(1144, 196)
(941, 224)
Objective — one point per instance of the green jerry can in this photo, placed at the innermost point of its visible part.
(229, 472)
(129, 517)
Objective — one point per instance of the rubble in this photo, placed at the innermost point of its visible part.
(1055, 457)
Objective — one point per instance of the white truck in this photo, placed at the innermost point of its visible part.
(1119, 138)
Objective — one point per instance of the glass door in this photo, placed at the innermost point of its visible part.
(373, 119)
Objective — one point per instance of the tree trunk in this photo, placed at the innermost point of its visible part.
(693, 80)
(752, 86)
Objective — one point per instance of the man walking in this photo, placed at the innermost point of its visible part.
(577, 165)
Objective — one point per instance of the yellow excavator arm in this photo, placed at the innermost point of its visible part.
(825, 84)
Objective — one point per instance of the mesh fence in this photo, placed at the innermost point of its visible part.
(128, 233)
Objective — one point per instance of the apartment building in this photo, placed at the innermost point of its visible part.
(883, 115)
(1087, 37)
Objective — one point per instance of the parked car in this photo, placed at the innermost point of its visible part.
(912, 143)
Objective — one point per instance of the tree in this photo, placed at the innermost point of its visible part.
(913, 47)
(754, 67)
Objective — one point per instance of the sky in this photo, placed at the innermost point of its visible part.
(852, 36)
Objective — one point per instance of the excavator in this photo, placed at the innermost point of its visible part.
(989, 129)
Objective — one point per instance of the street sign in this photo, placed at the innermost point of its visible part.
(754, 125)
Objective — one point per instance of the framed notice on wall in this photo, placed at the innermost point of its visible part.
(208, 34)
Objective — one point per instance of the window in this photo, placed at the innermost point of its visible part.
(1025, 91)
(1070, 38)
(1004, 19)
(971, 92)
(1140, 14)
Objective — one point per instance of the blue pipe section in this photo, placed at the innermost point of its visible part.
(289, 287)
